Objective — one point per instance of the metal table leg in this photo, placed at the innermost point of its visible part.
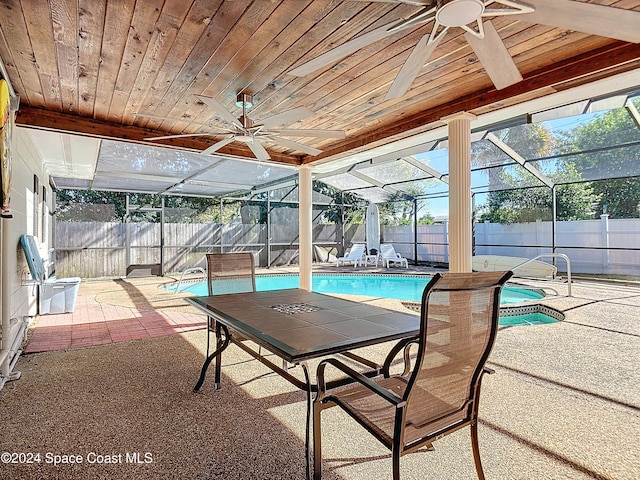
(221, 345)
(307, 439)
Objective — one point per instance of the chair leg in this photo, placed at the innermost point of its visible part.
(208, 334)
(395, 454)
(317, 442)
(476, 450)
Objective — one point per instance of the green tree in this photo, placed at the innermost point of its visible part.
(426, 219)
(513, 196)
(90, 205)
(575, 201)
(529, 141)
(610, 143)
(180, 209)
(354, 207)
(94, 205)
(397, 209)
(516, 195)
(104, 206)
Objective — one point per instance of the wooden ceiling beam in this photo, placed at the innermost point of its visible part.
(74, 124)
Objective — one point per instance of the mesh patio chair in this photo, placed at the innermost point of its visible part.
(229, 273)
(438, 391)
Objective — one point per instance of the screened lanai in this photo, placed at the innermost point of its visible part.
(532, 175)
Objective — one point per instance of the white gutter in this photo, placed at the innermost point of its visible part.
(5, 301)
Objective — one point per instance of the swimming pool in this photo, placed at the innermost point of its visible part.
(399, 287)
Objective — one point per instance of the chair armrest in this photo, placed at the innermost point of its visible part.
(358, 377)
(401, 345)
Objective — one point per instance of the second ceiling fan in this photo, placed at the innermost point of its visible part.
(245, 130)
(469, 15)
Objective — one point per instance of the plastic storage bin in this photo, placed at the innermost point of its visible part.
(59, 295)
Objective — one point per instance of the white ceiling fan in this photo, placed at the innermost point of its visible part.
(605, 21)
(244, 129)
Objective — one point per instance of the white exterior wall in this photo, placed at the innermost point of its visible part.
(29, 213)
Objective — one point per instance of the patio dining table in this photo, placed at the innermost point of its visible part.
(298, 326)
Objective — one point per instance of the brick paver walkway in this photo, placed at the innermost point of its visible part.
(96, 323)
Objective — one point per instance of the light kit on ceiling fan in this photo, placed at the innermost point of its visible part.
(456, 13)
(244, 100)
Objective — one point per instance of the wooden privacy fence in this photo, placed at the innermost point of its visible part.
(103, 249)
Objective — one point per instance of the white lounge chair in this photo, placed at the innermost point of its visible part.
(355, 255)
(388, 255)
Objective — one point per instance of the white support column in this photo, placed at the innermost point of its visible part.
(460, 228)
(305, 214)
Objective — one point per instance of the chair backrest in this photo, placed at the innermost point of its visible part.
(356, 251)
(459, 321)
(387, 251)
(34, 260)
(230, 273)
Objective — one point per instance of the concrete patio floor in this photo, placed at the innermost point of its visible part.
(564, 402)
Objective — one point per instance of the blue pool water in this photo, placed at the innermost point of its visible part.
(387, 286)
(526, 319)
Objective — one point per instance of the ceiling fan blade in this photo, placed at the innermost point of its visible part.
(506, 7)
(296, 146)
(495, 57)
(425, 15)
(258, 150)
(290, 116)
(218, 145)
(220, 109)
(605, 21)
(343, 50)
(416, 3)
(185, 120)
(318, 133)
(409, 71)
(182, 135)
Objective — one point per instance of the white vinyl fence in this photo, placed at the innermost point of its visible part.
(604, 246)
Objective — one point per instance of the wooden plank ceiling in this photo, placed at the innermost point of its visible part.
(90, 66)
